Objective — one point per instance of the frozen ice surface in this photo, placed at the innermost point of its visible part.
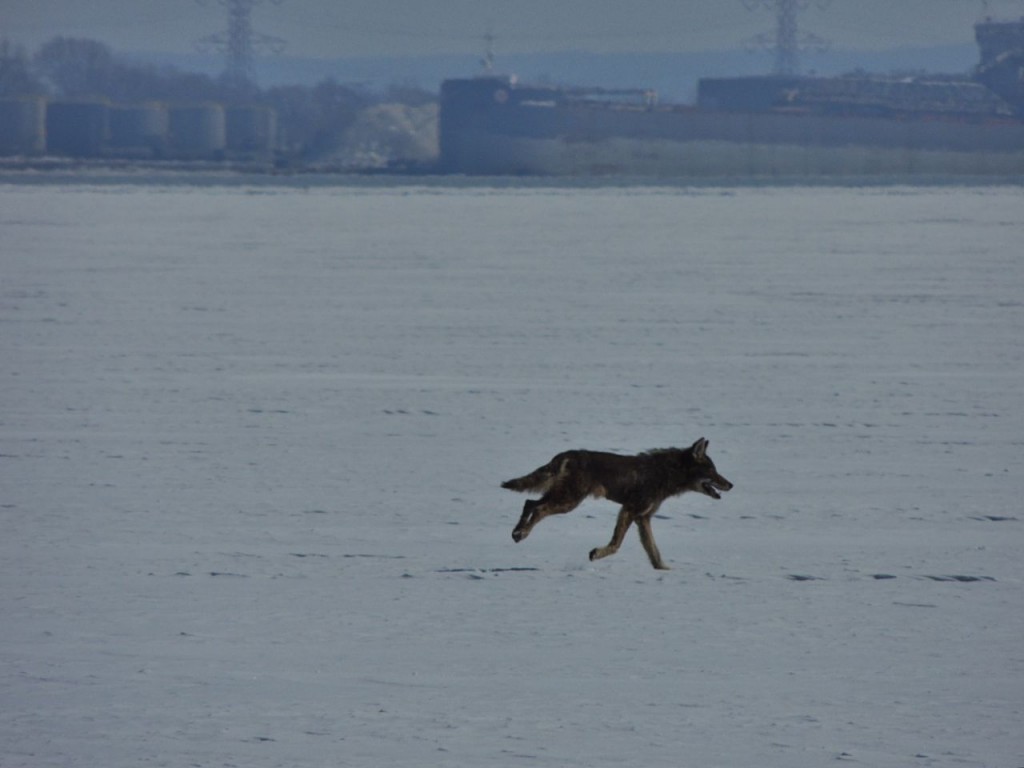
(251, 439)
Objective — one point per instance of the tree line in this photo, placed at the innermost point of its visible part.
(310, 118)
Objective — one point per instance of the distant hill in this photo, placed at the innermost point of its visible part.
(673, 75)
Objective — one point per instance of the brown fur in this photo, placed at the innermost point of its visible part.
(639, 483)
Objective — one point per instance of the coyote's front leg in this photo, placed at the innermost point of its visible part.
(643, 525)
(621, 526)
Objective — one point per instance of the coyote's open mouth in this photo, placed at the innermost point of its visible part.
(711, 488)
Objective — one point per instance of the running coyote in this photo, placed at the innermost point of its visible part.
(639, 483)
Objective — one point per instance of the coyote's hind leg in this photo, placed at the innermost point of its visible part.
(548, 504)
(621, 527)
(526, 521)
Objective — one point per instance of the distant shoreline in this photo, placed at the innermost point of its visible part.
(55, 171)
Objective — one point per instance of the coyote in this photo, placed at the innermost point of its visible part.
(639, 483)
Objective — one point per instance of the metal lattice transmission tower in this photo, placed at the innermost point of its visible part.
(787, 41)
(487, 62)
(240, 44)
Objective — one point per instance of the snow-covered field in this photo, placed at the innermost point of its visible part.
(251, 439)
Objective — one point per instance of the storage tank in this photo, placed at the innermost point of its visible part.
(197, 130)
(23, 126)
(77, 128)
(139, 127)
(251, 129)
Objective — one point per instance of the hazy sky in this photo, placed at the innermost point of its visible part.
(329, 28)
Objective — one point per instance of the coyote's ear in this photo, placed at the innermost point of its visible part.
(699, 449)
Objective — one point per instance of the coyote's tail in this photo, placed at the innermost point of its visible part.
(538, 480)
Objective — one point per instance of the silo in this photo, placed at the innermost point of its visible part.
(139, 127)
(251, 129)
(197, 130)
(77, 128)
(23, 126)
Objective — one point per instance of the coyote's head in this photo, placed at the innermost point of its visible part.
(708, 481)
